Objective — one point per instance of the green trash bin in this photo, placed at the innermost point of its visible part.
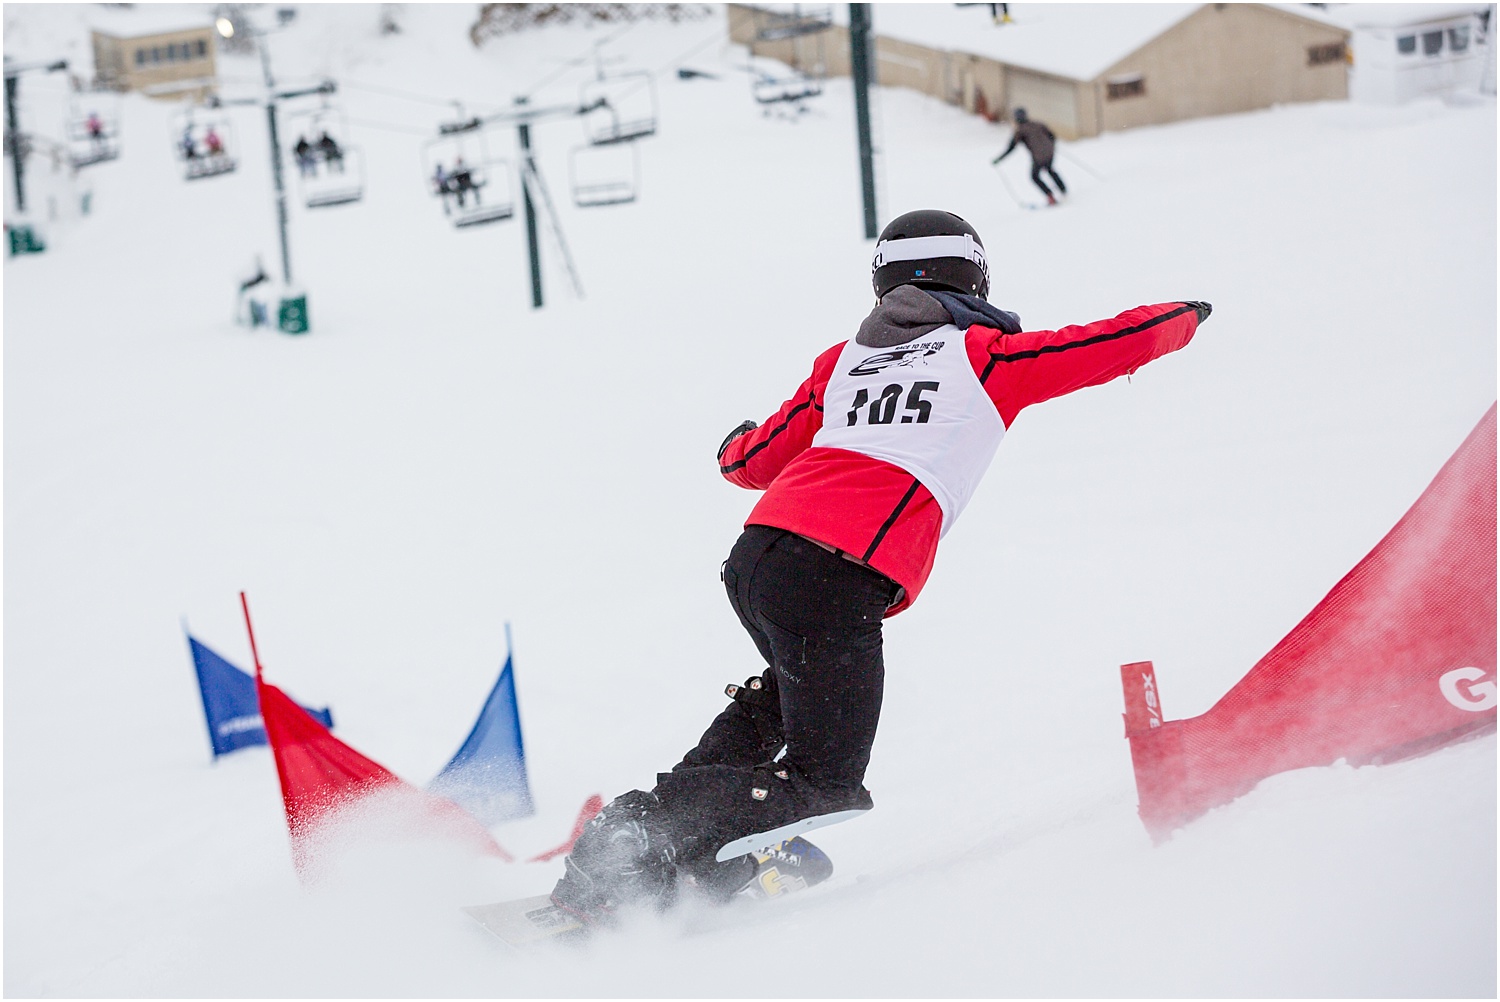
(23, 240)
(291, 315)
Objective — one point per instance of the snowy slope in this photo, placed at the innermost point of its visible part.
(436, 459)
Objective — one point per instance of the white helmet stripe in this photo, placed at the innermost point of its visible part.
(960, 245)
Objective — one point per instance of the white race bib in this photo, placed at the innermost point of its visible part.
(919, 406)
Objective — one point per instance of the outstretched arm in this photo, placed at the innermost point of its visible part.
(1015, 137)
(1018, 370)
(754, 454)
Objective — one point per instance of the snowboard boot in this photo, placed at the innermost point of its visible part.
(622, 860)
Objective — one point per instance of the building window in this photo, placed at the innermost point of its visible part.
(140, 57)
(202, 49)
(1333, 52)
(1432, 42)
(155, 54)
(1406, 45)
(1120, 87)
(1458, 38)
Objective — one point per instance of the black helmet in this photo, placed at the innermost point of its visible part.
(1019, 114)
(930, 247)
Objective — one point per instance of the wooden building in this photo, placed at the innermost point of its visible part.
(1405, 51)
(1081, 68)
(158, 50)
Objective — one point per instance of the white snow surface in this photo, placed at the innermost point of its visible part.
(436, 459)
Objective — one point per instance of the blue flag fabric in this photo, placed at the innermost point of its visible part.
(487, 777)
(230, 703)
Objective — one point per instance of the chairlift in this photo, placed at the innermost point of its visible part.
(621, 107)
(93, 128)
(330, 171)
(475, 187)
(790, 90)
(604, 175)
(775, 26)
(204, 142)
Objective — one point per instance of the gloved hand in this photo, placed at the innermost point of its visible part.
(744, 428)
(1204, 309)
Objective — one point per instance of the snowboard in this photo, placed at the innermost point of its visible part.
(788, 867)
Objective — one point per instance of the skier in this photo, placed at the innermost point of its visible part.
(864, 469)
(213, 143)
(187, 145)
(95, 127)
(1041, 144)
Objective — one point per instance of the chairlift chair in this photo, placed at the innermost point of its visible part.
(609, 175)
(622, 107)
(775, 26)
(791, 90)
(205, 144)
(476, 187)
(331, 174)
(94, 129)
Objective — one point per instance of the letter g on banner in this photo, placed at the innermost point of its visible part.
(1477, 696)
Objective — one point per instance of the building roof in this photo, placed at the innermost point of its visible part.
(1079, 41)
(135, 20)
(1384, 15)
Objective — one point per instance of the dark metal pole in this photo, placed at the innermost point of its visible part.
(860, 66)
(280, 184)
(13, 140)
(286, 257)
(528, 167)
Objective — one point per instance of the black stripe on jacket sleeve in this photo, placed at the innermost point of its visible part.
(996, 357)
(751, 452)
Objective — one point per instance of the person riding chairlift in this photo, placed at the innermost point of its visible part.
(307, 163)
(461, 181)
(212, 141)
(332, 154)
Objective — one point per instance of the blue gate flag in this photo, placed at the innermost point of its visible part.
(230, 703)
(487, 777)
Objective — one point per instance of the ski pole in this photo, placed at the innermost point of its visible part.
(1087, 169)
(1009, 190)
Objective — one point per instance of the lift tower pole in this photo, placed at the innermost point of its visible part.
(528, 169)
(15, 142)
(860, 66)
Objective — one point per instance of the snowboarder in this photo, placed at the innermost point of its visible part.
(1041, 144)
(866, 466)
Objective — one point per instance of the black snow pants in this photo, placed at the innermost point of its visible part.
(816, 619)
(1036, 176)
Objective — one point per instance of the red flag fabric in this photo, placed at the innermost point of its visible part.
(319, 773)
(1398, 659)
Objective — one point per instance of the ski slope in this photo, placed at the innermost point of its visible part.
(436, 459)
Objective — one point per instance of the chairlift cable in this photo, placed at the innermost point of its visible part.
(366, 124)
(576, 62)
(392, 92)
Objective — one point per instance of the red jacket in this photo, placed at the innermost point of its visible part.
(878, 512)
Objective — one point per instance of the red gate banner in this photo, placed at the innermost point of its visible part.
(1398, 659)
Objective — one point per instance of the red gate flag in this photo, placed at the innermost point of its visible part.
(1398, 659)
(319, 773)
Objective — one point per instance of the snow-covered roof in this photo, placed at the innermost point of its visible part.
(135, 20)
(1386, 15)
(1079, 41)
